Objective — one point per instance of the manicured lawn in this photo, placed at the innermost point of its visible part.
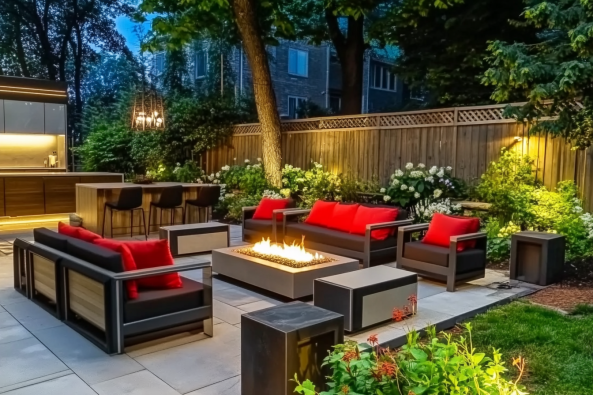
(558, 349)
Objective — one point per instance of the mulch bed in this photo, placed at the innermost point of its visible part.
(575, 288)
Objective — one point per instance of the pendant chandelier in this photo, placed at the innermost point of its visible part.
(148, 112)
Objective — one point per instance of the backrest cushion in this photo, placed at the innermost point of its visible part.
(474, 227)
(442, 227)
(51, 239)
(150, 254)
(342, 217)
(127, 261)
(87, 235)
(373, 215)
(98, 256)
(65, 229)
(321, 213)
(267, 205)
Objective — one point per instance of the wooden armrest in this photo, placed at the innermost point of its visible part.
(413, 228)
(391, 224)
(249, 208)
(297, 211)
(283, 210)
(154, 271)
(469, 236)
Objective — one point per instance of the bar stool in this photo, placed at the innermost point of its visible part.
(129, 199)
(207, 198)
(171, 199)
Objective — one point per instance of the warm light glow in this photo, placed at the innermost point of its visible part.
(294, 252)
(32, 89)
(156, 113)
(517, 138)
(34, 140)
(32, 219)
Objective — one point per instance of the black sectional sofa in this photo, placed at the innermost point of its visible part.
(83, 285)
(368, 250)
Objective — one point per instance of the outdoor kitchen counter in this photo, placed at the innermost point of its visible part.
(25, 193)
(91, 198)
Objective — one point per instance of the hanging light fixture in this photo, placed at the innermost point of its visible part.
(148, 112)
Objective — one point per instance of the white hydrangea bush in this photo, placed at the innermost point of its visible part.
(426, 209)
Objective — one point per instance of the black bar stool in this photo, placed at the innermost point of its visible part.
(207, 198)
(171, 199)
(129, 199)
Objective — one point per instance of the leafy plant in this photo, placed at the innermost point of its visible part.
(311, 185)
(425, 210)
(189, 172)
(499, 240)
(445, 365)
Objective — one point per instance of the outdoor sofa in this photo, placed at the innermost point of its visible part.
(256, 229)
(83, 285)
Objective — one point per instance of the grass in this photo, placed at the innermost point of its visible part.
(558, 349)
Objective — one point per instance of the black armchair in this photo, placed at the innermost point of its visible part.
(256, 229)
(442, 263)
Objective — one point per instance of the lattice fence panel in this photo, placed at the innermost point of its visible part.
(414, 119)
(300, 126)
(480, 115)
(348, 123)
(252, 128)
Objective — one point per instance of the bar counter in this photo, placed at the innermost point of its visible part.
(91, 199)
(43, 192)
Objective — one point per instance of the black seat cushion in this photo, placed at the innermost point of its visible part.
(51, 239)
(321, 235)
(467, 260)
(99, 256)
(157, 302)
(259, 225)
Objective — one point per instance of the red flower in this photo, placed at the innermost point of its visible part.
(413, 299)
(373, 340)
(398, 315)
(349, 356)
(387, 369)
(345, 389)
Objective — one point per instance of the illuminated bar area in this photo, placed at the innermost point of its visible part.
(34, 180)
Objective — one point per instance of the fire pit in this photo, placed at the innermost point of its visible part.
(283, 269)
(289, 255)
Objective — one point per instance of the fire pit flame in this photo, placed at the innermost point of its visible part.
(289, 255)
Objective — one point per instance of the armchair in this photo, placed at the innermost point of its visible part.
(255, 229)
(441, 263)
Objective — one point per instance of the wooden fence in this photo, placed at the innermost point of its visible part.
(374, 145)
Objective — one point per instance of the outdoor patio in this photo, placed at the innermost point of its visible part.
(40, 355)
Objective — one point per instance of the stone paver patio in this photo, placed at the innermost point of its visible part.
(40, 355)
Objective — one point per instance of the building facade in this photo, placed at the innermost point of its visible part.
(304, 73)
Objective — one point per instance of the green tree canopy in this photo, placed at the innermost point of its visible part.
(555, 74)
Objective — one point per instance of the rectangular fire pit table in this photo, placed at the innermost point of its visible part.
(281, 279)
(368, 296)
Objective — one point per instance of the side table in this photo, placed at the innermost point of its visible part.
(280, 341)
(537, 257)
(196, 238)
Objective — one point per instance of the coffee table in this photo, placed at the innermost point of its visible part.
(284, 280)
(368, 296)
(195, 238)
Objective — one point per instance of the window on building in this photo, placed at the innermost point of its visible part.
(335, 104)
(294, 102)
(417, 94)
(298, 62)
(382, 77)
(201, 64)
(159, 63)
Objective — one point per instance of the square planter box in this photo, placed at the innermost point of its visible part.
(366, 297)
(274, 277)
(537, 257)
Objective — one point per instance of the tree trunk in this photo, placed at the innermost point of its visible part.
(350, 52)
(265, 98)
(20, 52)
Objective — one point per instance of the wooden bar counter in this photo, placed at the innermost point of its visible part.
(91, 199)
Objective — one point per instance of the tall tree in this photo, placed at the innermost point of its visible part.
(255, 23)
(555, 74)
(443, 44)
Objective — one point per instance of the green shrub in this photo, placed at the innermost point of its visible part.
(108, 148)
(499, 240)
(189, 172)
(308, 186)
(436, 366)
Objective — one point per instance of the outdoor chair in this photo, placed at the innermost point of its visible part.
(441, 263)
(171, 199)
(207, 198)
(129, 199)
(256, 229)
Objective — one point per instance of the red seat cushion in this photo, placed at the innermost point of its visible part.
(267, 205)
(321, 214)
(87, 235)
(442, 227)
(474, 227)
(68, 230)
(373, 215)
(149, 254)
(342, 217)
(127, 261)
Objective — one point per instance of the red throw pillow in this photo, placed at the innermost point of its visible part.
(342, 217)
(373, 215)
(321, 213)
(68, 230)
(87, 235)
(474, 227)
(267, 205)
(127, 261)
(442, 227)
